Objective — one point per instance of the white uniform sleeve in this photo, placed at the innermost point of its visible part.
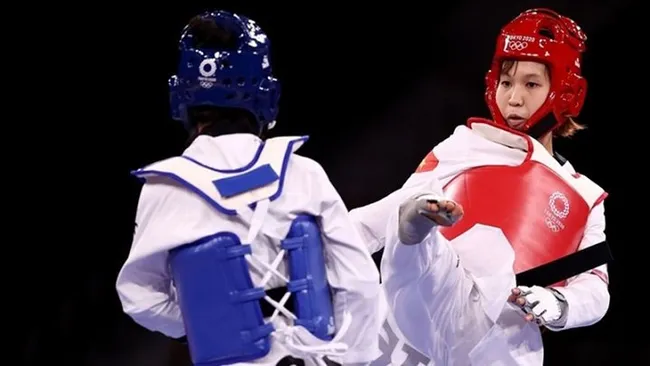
(352, 274)
(144, 283)
(371, 220)
(587, 294)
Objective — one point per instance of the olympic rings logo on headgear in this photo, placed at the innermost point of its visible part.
(517, 45)
(207, 69)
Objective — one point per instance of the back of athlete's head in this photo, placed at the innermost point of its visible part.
(212, 120)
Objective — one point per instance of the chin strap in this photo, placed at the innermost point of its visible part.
(542, 127)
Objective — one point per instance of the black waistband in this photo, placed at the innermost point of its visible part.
(566, 267)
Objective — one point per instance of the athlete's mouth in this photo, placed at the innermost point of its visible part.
(515, 119)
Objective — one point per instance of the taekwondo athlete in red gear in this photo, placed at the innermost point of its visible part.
(242, 246)
(451, 291)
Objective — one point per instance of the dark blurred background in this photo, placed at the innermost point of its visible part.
(375, 87)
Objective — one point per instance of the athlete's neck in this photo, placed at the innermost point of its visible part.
(547, 141)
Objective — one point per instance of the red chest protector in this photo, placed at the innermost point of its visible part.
(540, 207)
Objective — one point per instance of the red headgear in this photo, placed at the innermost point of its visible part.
(544, 36)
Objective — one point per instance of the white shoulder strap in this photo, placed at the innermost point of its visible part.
(277, 152)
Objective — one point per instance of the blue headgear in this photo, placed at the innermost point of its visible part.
(238, 78)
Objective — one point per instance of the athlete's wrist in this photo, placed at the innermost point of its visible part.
(563, 307)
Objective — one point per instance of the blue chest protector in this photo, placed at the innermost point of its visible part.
(220, 306)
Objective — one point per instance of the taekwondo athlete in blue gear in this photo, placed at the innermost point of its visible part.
(241, 245)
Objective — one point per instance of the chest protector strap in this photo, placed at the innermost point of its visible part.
(218, 300)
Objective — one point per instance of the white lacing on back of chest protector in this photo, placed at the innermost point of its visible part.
(288, 335)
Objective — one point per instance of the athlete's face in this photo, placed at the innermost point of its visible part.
(522, 89)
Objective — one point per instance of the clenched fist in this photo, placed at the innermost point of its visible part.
(419, 214)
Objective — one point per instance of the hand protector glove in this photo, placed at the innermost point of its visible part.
(419, 214)
(546, 306)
